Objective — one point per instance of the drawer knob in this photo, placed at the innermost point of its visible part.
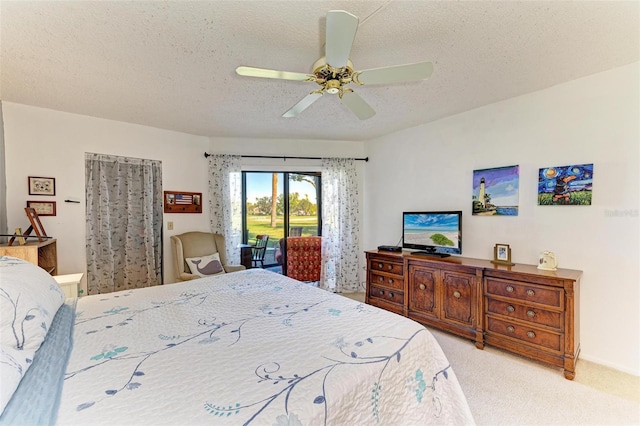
(531, 313)
(389, 267)
(510, 308)
(456, 294)
(390, 295)
(381, 292)
(531, 334)
(531, 292)
(380, 265)
(380, 279)
(510, 329)
(510, 289)
(390, 280)
(422, 287)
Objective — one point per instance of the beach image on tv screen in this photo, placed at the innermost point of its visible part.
(431, 230)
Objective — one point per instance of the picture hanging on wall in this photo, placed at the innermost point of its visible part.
(42, 185)
(565, 185)
(495, 191)
(43, 208)
(182, 202)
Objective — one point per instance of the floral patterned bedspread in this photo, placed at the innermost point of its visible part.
(253, 347)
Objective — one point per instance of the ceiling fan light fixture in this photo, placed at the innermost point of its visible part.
(333, 87)
(334, 71)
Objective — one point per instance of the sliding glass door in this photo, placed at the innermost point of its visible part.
(280, 204)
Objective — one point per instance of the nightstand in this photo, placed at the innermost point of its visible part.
(69, 283)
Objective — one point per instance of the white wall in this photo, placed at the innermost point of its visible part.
(590, 120)
(43, 142)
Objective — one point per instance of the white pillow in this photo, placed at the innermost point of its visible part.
(205, 265)
(29, 299)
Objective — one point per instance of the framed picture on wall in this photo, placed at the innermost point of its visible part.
(182, 202)
(565, 185)
(42, 185)
(495, 191)
(43, 208)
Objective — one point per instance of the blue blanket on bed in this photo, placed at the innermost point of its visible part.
(37, 398)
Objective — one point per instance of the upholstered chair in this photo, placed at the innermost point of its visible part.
(304, 258)
(198, 244)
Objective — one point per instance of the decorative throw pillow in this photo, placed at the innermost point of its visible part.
(29, 299)
(205, 265)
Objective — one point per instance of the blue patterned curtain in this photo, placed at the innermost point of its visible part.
(124, 223)
(340, 225)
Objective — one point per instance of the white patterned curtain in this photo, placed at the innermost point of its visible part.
(225, 202)
(3, 183)
(124, 223)
(340, 225)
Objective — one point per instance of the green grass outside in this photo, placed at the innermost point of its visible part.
(260, 225)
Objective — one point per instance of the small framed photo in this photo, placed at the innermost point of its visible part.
(43, 208)
(502, 254)
(42, 185)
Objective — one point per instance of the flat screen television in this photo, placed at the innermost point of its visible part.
(432, 233)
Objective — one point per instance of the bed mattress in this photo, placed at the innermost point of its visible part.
(252, 347)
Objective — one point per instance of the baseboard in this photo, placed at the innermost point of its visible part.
(613, 366)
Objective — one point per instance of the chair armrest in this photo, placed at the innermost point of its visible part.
(187, 277)
(233, 268)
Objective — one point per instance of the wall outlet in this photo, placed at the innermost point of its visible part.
(170, 226)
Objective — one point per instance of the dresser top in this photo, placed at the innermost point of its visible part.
(488, 267)
(31, 241)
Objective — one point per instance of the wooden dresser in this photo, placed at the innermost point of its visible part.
(518, 308)
(44, 254)
(385, 282)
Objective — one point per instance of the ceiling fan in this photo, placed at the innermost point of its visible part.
(334, 71)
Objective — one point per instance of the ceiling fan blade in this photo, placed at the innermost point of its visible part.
(266, 73)
(355, 103)
(303, 104)
(395, 74)
(341, 31)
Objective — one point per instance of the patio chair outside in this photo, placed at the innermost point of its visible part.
(259, 250)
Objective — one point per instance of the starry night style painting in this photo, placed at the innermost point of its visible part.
(565, 185)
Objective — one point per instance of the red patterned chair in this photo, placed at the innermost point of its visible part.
(304, 258)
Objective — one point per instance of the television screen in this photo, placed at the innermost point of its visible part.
(435, 233)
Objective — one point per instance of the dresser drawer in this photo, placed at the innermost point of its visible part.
(386, 266)
(392, 281)
(530, 293)
(526, 313)
(525, 333)
(376, 292)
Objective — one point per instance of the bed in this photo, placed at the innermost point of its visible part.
(250, 347)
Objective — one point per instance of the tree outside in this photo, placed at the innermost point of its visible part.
(265, 213)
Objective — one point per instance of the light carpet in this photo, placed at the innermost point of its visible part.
(506, 389)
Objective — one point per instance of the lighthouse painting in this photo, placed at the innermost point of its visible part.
(495, 191)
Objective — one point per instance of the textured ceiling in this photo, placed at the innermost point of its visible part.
(171, 64)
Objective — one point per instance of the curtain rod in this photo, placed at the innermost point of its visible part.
(284, 157)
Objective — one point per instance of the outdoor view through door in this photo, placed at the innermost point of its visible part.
(280, 204)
